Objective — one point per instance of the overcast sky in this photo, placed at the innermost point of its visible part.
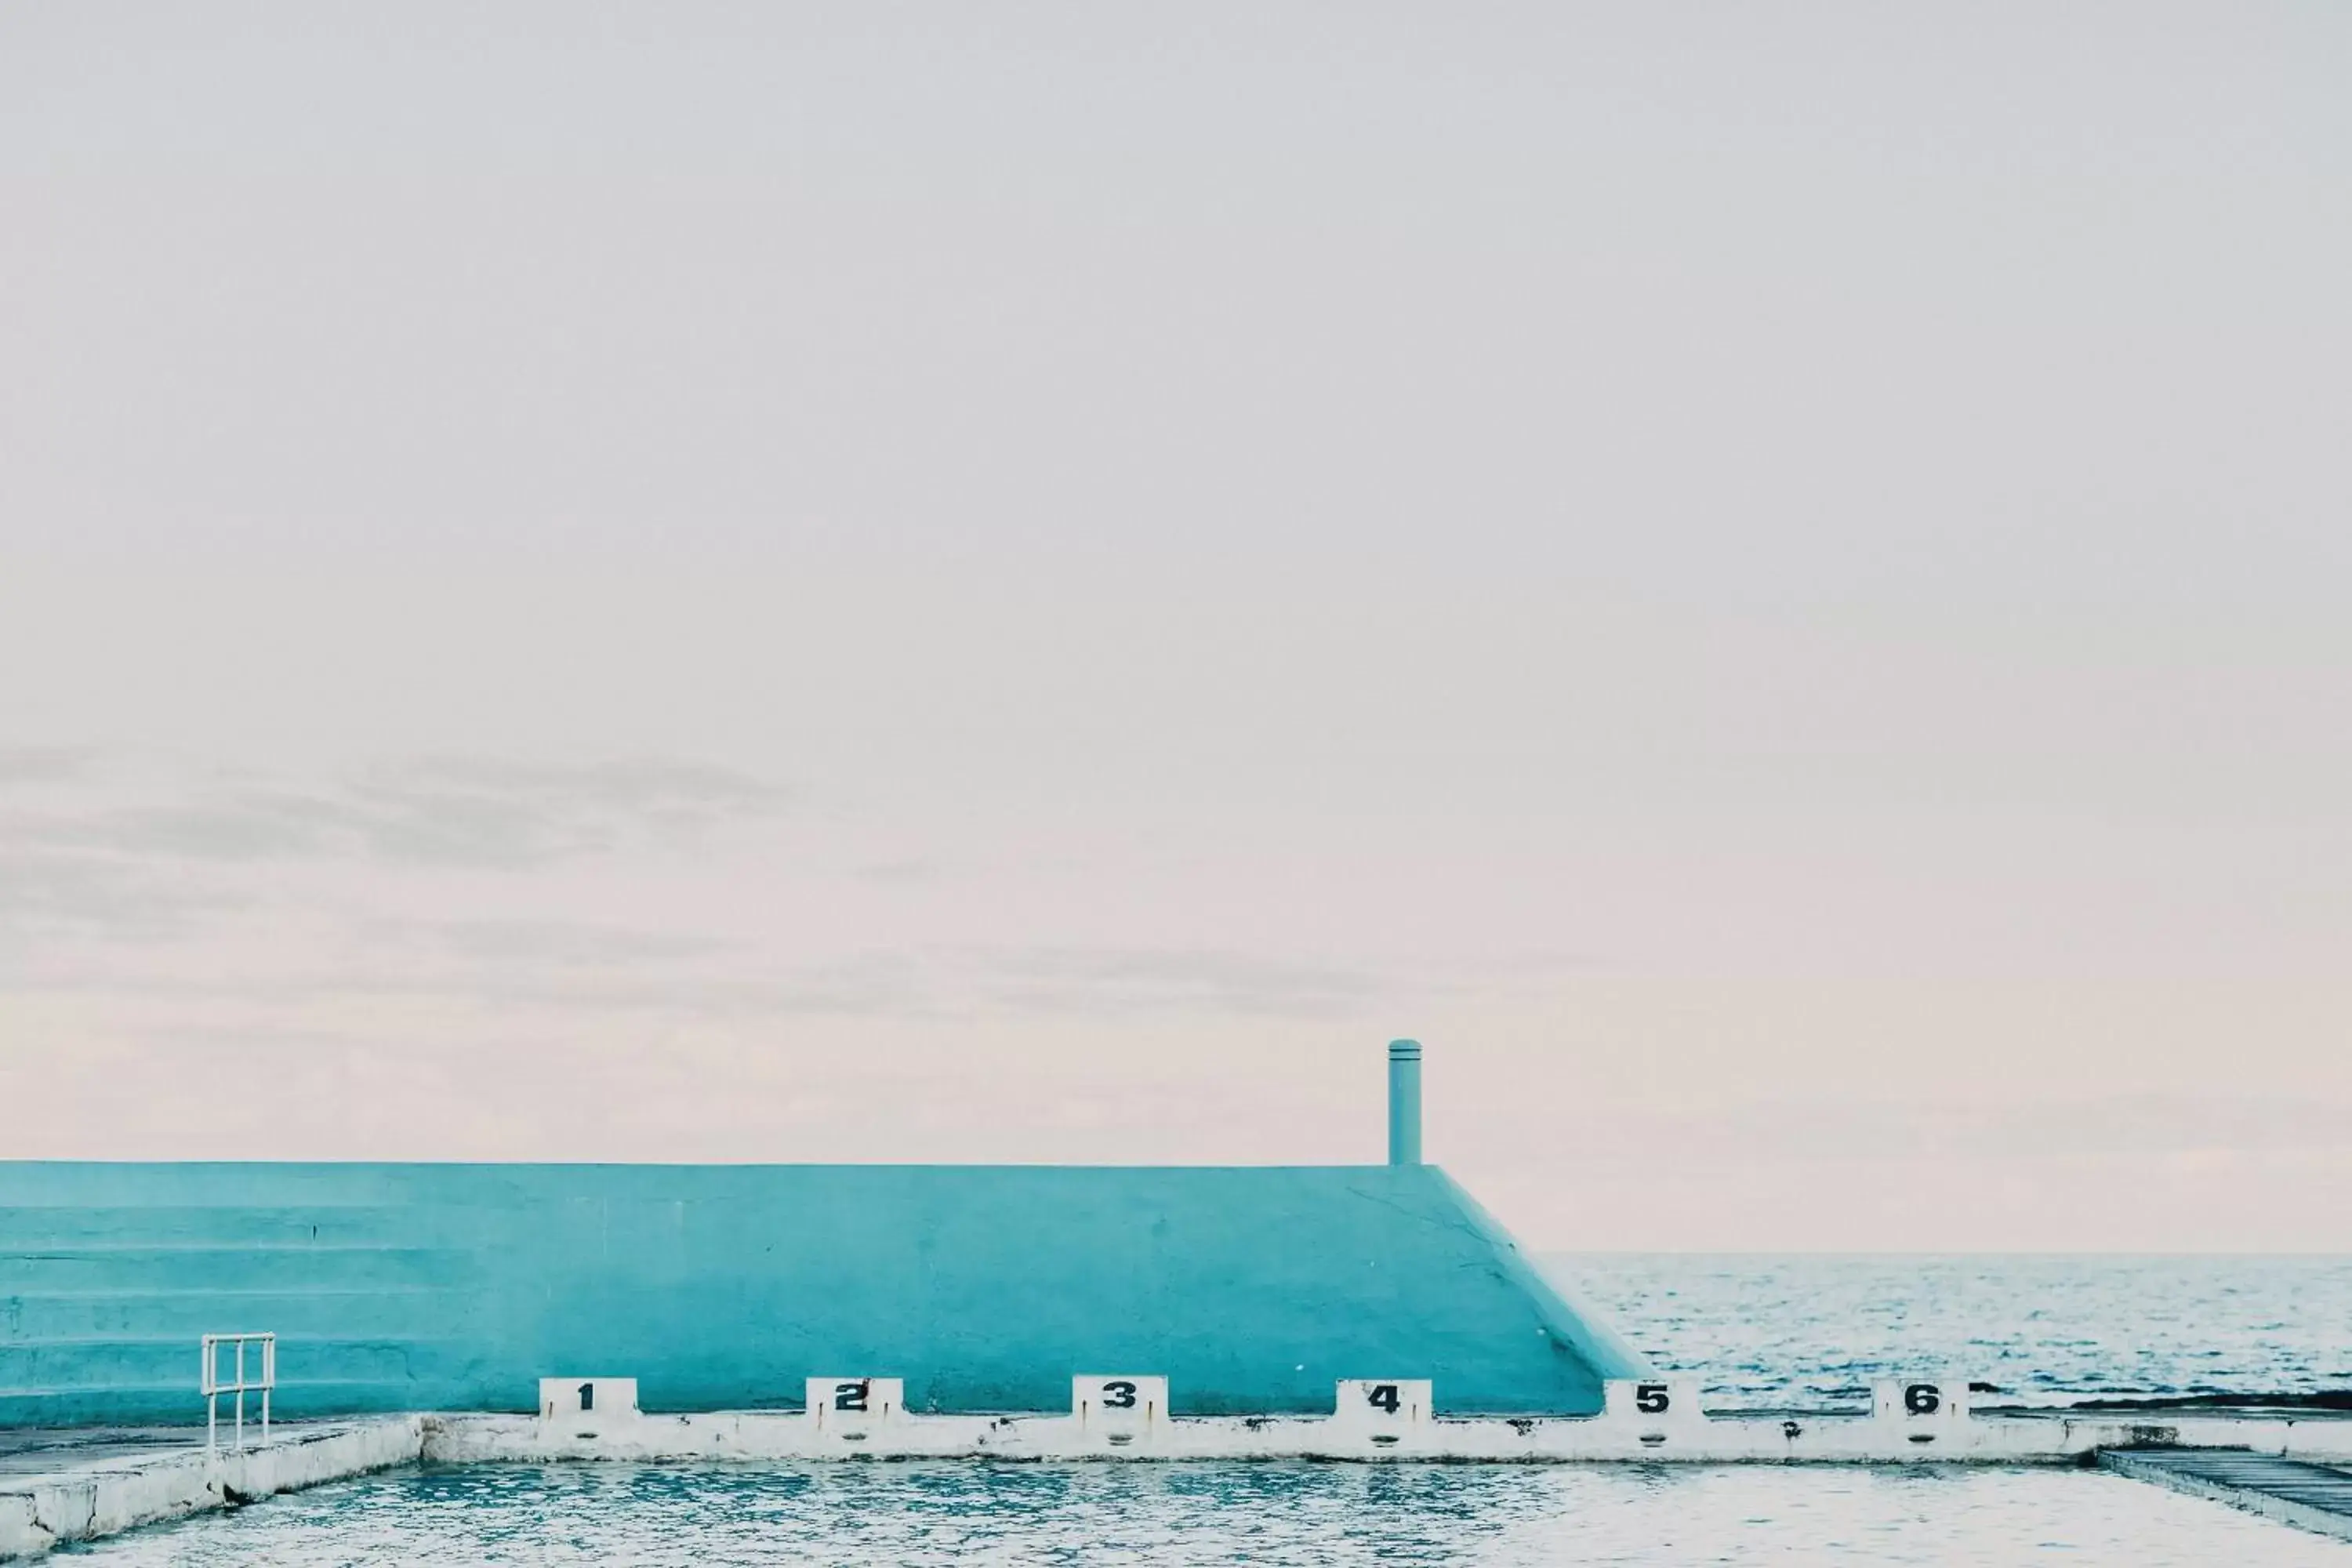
(1020, 582)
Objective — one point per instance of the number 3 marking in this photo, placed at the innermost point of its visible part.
(1119, 1396)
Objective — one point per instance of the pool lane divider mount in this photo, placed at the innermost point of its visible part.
(1927, 1420)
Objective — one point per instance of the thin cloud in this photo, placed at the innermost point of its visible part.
(464, 813)
(1201, 981)
(93, 855)
(651, 785)
(457, 811)
(592, 969)
(47, 894)
(548, 971)
(44, 765)
(563, 944)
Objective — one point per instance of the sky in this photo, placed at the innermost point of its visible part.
(1033, 583)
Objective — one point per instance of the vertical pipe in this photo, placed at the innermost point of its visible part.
(1405, 1103)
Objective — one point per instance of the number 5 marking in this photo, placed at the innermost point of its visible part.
(1650, 1398)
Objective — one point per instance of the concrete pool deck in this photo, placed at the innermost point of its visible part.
(38, 1451)
(59, 1487)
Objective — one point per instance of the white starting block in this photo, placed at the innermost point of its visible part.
(583, 1406)
(1921, 1411)
(1120, 1410)
(851, 1407)
(1656, 1413)
(1381, 1410)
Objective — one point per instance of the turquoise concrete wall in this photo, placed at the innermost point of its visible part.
(455, 1286)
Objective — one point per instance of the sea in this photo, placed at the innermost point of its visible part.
(1757, 1331)
(1763, 1331)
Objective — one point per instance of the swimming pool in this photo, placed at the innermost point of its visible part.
(1271, 1513)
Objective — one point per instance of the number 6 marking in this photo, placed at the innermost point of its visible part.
(1922, 1399)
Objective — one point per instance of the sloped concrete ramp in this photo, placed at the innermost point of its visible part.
(2293, 1491)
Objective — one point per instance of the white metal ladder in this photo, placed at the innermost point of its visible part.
(237, 1384)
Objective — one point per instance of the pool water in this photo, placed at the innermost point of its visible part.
(859, 1513)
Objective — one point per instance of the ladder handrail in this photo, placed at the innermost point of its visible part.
(212, 1387)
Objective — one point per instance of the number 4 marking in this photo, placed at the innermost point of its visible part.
(1384, 1396)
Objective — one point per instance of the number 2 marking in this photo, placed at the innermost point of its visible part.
(849, 1396)
(1118, 1394)
(1384, 1396)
